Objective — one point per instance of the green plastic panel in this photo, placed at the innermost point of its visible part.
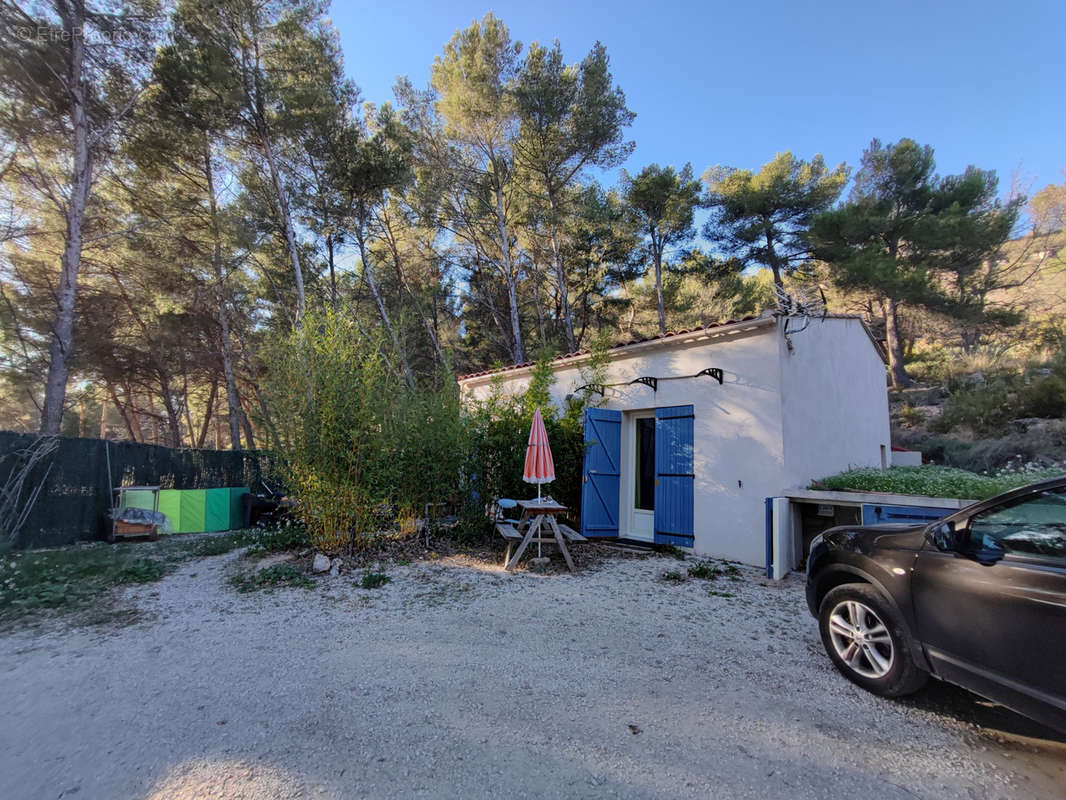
(170, 504)
(216, 510)
(142, 498)
(236, 511)
(193, 509)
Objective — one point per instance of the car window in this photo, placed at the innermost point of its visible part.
(1034, 526)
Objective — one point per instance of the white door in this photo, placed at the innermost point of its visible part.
(641, 501)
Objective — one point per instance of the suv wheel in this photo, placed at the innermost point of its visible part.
(864, 635)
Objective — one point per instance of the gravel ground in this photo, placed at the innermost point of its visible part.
(458, 680)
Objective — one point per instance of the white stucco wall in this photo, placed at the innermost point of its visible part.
(779, 420)
(834, 401)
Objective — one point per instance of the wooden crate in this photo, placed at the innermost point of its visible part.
(119, 528)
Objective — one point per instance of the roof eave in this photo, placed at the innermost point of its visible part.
(689, 337)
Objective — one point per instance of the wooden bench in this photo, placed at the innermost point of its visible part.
(507, 531)
(570, 533)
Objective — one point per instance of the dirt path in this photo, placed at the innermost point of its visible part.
(458, 680)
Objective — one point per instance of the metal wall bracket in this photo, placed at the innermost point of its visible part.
(712, 372)
(592, 388)
(648, 381)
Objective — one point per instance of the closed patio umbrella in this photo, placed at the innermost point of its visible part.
(540, 468)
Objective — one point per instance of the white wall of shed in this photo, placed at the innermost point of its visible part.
(834, 401)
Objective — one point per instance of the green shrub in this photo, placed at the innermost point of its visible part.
(353, 437)
(987, 405)
(373, 580)
(984, 407)
(286, 536)
(931, 365)
(1046, 397)
(499, 430)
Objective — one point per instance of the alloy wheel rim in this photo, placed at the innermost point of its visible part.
(861, 639)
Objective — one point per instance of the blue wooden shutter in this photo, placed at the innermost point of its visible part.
(674, 478)
(601, 474)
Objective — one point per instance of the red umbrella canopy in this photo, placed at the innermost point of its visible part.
(539, 465)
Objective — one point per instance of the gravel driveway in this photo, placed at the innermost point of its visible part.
(457, 680)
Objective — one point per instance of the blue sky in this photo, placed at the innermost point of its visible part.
(734, 83)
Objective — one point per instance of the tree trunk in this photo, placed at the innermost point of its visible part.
(247, 424)
(55, 388)
(771, 256)
(560, 275)
(286, 217)
(332, 271)
(173, 419)
(264, 411)
(657, 255)
(368, 276)
(898, 373)
(517, 351)
(223, 312)
(538, 307)
(208, 413)
(126, 419)
(397, 263)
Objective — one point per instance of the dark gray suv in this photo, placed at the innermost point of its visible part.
(977, 599)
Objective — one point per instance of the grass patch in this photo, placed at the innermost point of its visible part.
(931, 481)
(288, 536)
(217, 545)
(72, 577)
(272, 577)
(709, 571)
(373, 580)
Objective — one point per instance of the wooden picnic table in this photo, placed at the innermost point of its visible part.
(538, 524)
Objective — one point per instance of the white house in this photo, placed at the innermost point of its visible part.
(695, 430)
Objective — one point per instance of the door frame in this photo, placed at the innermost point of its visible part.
(629, 488)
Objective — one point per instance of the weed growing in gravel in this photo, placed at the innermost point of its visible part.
(270, 577)
(672, 576)
(709, 571)
(704, 570)
(372, 580)
(676, 552)
(716, 593)
(217, 545)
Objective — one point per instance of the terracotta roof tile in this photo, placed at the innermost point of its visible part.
(667, 335)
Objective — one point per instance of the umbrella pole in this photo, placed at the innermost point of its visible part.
(538, 538)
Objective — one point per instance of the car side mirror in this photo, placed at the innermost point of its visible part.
(945, 537)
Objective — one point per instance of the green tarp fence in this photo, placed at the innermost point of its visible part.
(74, 501)
(195, 510)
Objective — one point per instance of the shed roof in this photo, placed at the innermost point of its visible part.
(723, 327)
